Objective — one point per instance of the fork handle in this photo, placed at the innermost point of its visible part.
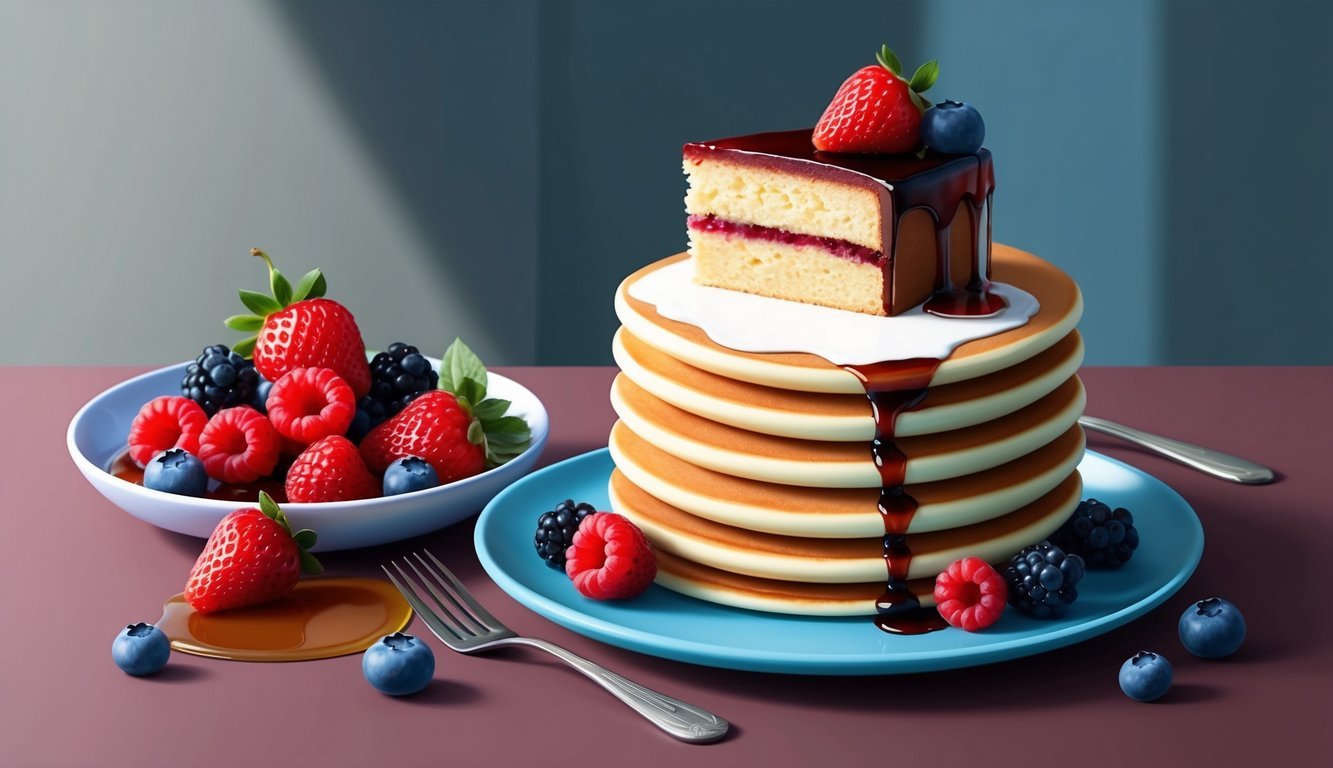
(684, 721)
(1206, 460)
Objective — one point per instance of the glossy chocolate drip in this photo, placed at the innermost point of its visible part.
(937, 183)
(893, 388)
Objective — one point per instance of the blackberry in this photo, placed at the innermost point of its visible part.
(219, 378)
(555, 530)
(398, 375)
(1103, 537)
(1041, 580)
(370, 413)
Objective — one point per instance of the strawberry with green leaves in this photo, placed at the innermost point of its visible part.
(457, 429)
(252, 557)
(299, 328)
(877, 110)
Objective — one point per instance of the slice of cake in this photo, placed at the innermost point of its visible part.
(879, 234)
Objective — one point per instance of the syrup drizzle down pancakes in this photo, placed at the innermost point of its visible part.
(772, 481)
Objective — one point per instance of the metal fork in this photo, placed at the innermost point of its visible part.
(464, 626)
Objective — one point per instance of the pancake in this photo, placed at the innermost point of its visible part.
(813, 416)
(1059, 297)
(718, 586)
(841, 512)
(824, 464)
(790, 558)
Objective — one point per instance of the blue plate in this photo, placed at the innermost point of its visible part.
(664, 623)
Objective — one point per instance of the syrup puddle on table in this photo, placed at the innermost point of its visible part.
(321, 618)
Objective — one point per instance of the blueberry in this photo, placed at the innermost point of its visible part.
(1212, 628)
(1145, 676)
(398, 664)
(140, 649)
(176, 471)
(409, 474)
(262, 388)
(953, 128)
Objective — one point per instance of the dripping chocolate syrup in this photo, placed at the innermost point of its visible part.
(893, 388)
(974, 299)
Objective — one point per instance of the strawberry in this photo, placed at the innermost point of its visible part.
(876, 110)
(251, 557)
(456, 428)
(330, 470)
(298, 328)
(436, 427)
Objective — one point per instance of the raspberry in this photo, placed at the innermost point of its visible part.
(164, 423)
(308, 404)
(970, 595)
(331, 469)
(610, 559)
(239, 445)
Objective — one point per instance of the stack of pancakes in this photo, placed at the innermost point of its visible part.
(753, 476)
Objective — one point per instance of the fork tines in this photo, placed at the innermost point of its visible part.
(456, 616)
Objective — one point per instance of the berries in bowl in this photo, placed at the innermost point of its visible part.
(502, 423)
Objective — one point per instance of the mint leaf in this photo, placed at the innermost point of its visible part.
(925, 76)
(492, 408)
(507, 425)
(458, 364)
(473, 391)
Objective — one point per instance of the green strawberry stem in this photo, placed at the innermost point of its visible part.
(312, 285)
(501, 436)
(304, 538)
(924, 77)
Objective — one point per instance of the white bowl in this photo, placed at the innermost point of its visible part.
(98, 432)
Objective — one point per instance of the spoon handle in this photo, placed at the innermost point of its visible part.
(1215, 463)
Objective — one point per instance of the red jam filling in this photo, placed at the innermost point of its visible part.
(835, 247)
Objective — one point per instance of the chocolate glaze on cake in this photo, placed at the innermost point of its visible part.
(938, 184)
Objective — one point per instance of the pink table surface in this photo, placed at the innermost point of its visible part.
(76, 569)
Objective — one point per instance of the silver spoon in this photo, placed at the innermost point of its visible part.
(1215, 463)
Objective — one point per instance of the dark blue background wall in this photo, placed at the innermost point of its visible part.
(492, 169)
